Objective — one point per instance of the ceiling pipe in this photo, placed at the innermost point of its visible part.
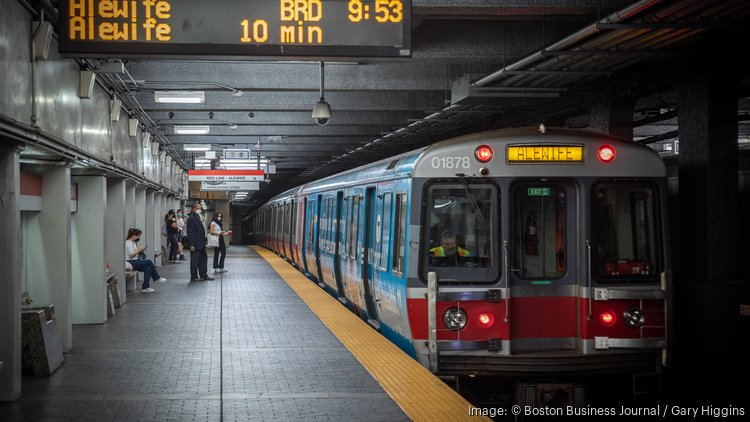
(570, 40)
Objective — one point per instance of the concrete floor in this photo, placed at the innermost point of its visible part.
(238, 349)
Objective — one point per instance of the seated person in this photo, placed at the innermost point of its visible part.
(137, 259)
(448, 246)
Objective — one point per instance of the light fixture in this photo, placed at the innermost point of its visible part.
(146, 140)
(191, 129)
(180, 97)
(155, 149)
(196, 147)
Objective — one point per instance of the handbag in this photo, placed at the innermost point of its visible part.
(213, 240)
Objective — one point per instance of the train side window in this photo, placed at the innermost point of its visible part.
(399, 248)
(625, 232)
(386, 231)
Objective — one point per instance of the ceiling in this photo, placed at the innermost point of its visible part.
(475, 64)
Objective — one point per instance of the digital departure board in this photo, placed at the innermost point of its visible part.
(545, 153)
(235, 28)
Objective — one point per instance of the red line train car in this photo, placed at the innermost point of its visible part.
(537, 258)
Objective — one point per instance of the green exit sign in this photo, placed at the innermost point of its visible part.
(539, 191)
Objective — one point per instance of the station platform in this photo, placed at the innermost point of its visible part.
(245, 346)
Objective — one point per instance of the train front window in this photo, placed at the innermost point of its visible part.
(625, 232)
(461, 224)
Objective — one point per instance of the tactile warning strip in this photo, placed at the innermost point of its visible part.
(420, 394)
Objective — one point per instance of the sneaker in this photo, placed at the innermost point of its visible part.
(162, 280)
(222, 270)
(216, 271)
(149, 290)
(206, 278)
(196, 279)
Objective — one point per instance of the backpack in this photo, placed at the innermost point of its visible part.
(164, 229)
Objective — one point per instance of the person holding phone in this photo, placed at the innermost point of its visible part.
(136, 256)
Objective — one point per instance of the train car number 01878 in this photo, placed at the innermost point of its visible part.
(451, 162)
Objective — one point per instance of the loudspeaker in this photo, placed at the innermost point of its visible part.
(88, 79)
(114, 109)
(42, 39)
(133, 127)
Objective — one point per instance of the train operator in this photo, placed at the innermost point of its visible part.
(448, 246)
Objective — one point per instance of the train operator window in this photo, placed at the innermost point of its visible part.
(625, 232)
(540, 231)
(463, 221)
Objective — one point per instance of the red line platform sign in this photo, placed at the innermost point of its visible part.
(224, 176)
(235, 28)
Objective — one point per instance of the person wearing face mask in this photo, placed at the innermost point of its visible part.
(220, 252)
(136, 257)
(196, 234)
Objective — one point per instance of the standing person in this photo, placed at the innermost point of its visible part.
(196, 233)
(181, 233)
(172, 236)
(133, 254)
(220, 252)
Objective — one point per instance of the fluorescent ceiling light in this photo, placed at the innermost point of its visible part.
(196, 147)
(191, 129)
(182, 97)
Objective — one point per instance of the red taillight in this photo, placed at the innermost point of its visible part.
(484, 153)
(607, 318)
(485, 320)
(606, 153)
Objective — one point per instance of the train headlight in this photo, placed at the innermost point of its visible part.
(484, 153)
(454, 319)
(486, 319)
(607, 318)
(633, 317)
(606, 153)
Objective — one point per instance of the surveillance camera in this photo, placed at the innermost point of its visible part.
(321, 113)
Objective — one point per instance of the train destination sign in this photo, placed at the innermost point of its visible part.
(235, 28)
(545, 153)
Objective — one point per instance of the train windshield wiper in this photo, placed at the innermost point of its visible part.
(477, 212)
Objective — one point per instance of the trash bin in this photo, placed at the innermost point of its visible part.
(40, 341)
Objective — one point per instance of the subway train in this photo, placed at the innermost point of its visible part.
(536, 257)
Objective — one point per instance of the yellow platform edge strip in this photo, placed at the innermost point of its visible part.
(420, 394)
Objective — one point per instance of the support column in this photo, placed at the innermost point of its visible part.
(10, 286)
(709, 199)
(140, 211)
(49, 273)
(88, 251)
(130, 206)
(116, 230)
(150, 235)
(613, 117)
(708, 293)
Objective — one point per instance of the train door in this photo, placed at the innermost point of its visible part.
(372, 226)
(305, 235)
(316, 238)
(340, 210)
(543, 310)
(292, 229)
